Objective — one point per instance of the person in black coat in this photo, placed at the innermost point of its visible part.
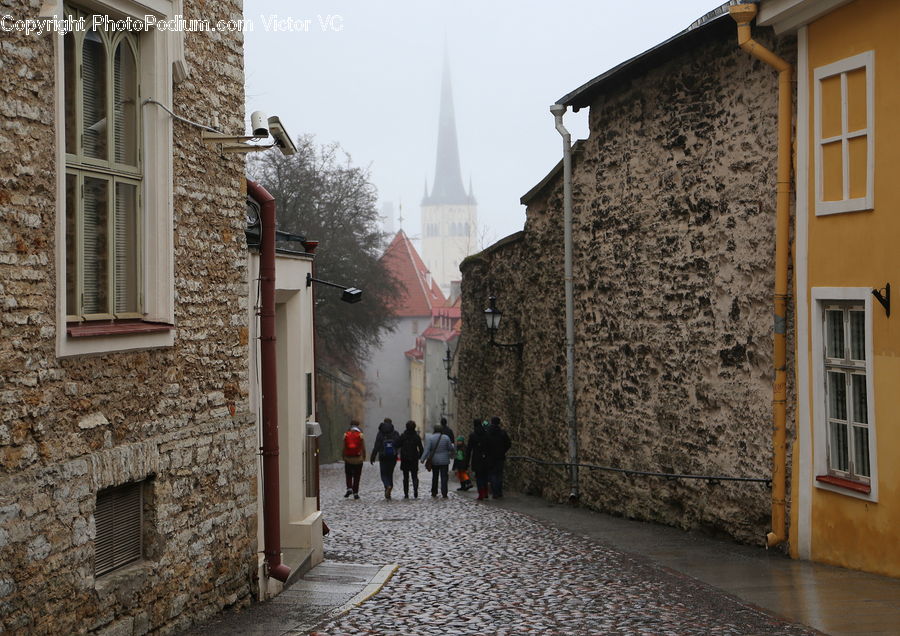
(498, 443)
(478, 457)
(410, 450)
(385, 450)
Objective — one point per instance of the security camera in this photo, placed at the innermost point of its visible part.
(281, 137)
(258, 124)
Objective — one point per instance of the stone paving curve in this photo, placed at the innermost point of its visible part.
(468, 567)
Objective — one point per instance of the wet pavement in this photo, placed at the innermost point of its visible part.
(468, 567)
(521, 565)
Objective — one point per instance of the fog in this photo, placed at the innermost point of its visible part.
(367, 75)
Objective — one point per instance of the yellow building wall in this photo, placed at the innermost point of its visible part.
(862, 249)
(416, 395)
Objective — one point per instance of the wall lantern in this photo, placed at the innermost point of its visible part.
(448, 364)
(492, 317)
(351, 294)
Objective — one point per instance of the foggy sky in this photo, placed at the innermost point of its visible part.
(366, 74)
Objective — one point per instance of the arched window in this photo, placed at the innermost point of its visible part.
(103, 174)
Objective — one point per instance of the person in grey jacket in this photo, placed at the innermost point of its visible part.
(439, 447)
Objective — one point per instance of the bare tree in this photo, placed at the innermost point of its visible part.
(321, 195)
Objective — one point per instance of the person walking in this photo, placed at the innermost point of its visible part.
(438, 450)
(386, 450)
(498, 443)
(354, 455)
(446, 430)
(410, 450)
(478, 456)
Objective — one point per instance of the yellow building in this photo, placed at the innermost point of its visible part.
(845, 504)
(417, 386)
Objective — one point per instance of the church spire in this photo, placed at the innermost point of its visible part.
(448, 184)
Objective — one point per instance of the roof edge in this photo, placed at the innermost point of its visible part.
(585, 94)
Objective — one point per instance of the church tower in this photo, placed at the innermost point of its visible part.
(449, 213)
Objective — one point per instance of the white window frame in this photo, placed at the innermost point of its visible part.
(160, 52)
(821, 297)
(841, 68)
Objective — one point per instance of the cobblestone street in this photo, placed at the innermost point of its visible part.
(468, 567)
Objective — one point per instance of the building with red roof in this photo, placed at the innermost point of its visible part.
(388, 369)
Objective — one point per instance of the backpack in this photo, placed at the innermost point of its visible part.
(388, 448)
(353, 446)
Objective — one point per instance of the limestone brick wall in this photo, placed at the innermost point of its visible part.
(674, 198)
(177, 417)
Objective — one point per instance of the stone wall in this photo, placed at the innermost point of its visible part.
(177, 417)
(340, 397)
(674, 198)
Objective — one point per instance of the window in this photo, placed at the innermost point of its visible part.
(115, 252)
(119, 522)
(846, 392)
(844, 151)
(103, 174)
(844, 435)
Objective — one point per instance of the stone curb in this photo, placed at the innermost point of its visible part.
(372, 587)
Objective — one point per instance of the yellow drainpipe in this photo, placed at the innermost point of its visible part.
(743, 14)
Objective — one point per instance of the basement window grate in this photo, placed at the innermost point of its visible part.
(119, 523)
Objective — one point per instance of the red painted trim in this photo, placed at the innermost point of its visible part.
(844, 483)
(115, 328)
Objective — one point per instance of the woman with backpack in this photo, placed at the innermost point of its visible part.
(386, 450)
(354, 455)
(410, 450)
(438, 450)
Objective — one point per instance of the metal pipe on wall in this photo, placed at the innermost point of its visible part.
(271, 510)
(558, 110)
(743, 14)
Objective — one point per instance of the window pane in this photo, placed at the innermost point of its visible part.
(861, 451)
(857, 335)
(858, 158)
(837, 396)
(94, 95)
(834, 337)
(96, 246)
(840, 459)
(126, 248)
(125, 104)
(71, 84)
(71, 245)
(860, 404)
(831, 106)
(856, 100)
(832, 172)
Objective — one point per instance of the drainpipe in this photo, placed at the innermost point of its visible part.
(743, 14)
(271, 512)
(558, 110)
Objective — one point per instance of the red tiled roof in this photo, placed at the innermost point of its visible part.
(419, 293)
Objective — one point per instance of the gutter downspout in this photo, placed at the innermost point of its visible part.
(271, 512)
(743, 14)
(558, 110)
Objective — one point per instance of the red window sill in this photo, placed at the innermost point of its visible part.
(115, 328)
(844, 483)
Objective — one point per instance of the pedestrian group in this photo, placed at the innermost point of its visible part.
(484, 455)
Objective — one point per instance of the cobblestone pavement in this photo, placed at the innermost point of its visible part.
(468, 567)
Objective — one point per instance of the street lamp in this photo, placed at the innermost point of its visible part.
(448, 364)
(492, 317)
(351, 294)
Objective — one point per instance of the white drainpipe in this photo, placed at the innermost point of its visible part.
(558, 110)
